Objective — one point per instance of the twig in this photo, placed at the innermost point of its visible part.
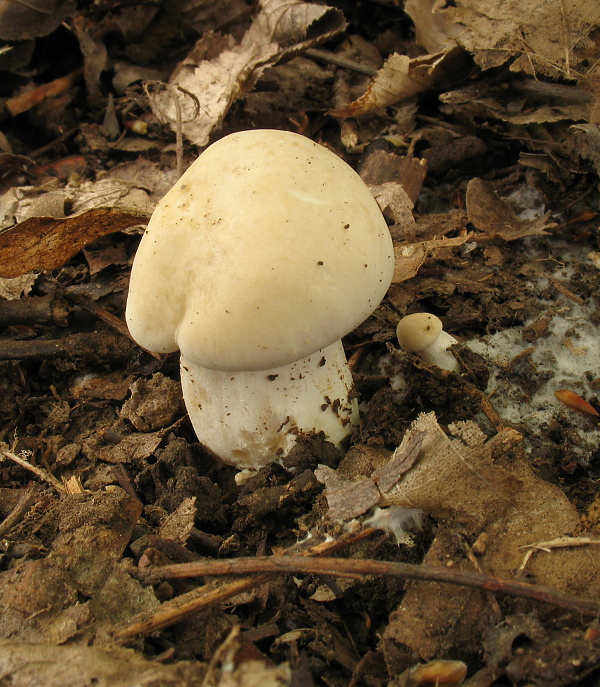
(565, 36)
(178, 128)
(53, 143)
(30, 310)
(175, 610)
(40, 472)
(89, 346)
(179, 122)
(338, 61)
(357, 568)
(102, 313)
(17, 513)
(25, 101)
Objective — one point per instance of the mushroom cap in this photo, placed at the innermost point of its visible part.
(267, 249)
(418, 331)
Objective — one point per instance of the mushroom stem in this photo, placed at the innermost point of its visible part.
(250, 419)
(438, 354)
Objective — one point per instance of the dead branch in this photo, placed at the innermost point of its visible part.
(88, 346)
(175, 610)
(356, 568)
(32, 310)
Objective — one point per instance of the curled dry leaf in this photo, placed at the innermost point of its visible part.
(399, 79)
(490, 214)
(518, 102)
(434, 31)
(219, 69)
(348, 498)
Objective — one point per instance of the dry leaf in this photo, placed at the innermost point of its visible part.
(410, 256)
(348, 498)
(475, 485)
(78, 666)
(153, 404)
(132, 448)
(434, 31)
(395, 204)
(541, 37)
(381, 167)
(179, 525)
(219, 70)
(490, 214)
(519, 102)
(453, 479)
(12, 289)
(44, 243)
(399, 79)
(22, 20)
(587, 138)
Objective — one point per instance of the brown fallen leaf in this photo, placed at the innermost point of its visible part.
(77, 666)
(490, 214)
(472, 485)
(380, 167)
(434, 31)
(44, 243)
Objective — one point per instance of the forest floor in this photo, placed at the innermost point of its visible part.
(456, 540)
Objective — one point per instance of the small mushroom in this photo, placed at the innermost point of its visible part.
(422, 333)
(267, 251)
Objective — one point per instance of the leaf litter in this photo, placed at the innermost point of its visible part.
(477, 130)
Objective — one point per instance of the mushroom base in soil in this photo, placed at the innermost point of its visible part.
(252, 418)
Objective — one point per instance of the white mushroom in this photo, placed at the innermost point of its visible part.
(422, 333)
(265, 253)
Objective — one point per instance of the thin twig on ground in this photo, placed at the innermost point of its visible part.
(19, 511)
(39, 472)
(357, 568)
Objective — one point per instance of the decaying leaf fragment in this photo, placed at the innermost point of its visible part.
(36, 235)
(488, 213)
(455, 480)
(410, 256)
(348, 497)
(434, 31)
(399, 79)
(219, 69)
